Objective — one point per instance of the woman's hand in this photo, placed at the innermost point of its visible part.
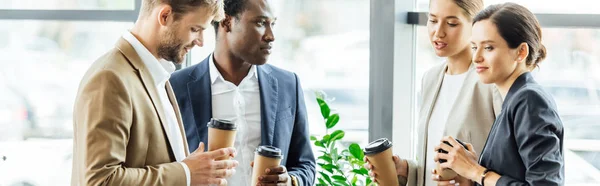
(400, 164)
(462, 161)
(458, 180)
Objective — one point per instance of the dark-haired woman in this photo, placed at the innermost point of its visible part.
(525, 145)
(453, 99)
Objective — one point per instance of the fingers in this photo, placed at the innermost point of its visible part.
(396, 159)
(444, 147)
(272, 184)
(215, 181)
(230, 151)
(273, 178)
(368, 166)
(223, 173)
(373, 175)
(225, 164)
(200, 148)
(447, 183)
(470, 148)
(449, 158)
(276, 170)
(452, 141)
(434, 175)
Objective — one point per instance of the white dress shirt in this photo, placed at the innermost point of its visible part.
(161, 70)
(240, 104)
(451, 86)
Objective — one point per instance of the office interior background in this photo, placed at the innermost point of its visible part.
(368, 56)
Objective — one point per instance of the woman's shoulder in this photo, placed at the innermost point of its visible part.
(434, 73)
(532, 94)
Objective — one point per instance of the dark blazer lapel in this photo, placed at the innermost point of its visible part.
(199, 92)
(269, 100)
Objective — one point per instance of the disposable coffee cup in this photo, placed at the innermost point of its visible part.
(379, 155)
(265, 157)
(447, 174)
(221, 134)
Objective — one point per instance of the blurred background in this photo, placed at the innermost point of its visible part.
(326, 42)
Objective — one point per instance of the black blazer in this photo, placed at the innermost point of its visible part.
(525, 144)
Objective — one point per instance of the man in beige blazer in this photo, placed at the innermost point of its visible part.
(127, 124)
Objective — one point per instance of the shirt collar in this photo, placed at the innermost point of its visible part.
(216, 75)
(160, 70)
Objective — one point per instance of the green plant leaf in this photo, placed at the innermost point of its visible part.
(356, 151)
(334, 155)
(336, 135)
(345, 152)
(313, 138)
(340, 183)
(321, 182)
(326, 166)
(361, 171)
(326, 177)
(325, 158)
(326, 140)
(319, 144)
(369, 181)
(354, 179)
(338, 177)
(329, 166)
(325, 110)
(332, 120)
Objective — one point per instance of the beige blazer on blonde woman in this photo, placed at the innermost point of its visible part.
(470, 118)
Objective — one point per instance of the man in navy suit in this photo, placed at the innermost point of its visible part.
(235, 83)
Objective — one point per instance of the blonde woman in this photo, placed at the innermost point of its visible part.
(454, 101)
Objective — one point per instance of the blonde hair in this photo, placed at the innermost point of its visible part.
(181, 7)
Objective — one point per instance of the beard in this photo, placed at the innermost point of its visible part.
(171, 48)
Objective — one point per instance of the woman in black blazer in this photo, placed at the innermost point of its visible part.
(525, 144)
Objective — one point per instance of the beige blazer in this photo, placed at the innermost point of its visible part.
(470, 119)
(119, 125)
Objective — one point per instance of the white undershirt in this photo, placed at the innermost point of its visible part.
(240, 104)
(451, 86)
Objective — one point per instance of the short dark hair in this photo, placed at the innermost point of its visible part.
(181, 7)
(232, 8)
(516, 24)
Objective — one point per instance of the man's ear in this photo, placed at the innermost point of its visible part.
(165, 15)
(226, 23)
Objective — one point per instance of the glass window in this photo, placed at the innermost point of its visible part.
(329, 50)
(575, 55)
(41, 66)
(68, 4)
(540, 6)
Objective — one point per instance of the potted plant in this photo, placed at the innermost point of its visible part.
(337, 165)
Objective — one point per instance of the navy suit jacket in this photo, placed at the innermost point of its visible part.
(283, 114)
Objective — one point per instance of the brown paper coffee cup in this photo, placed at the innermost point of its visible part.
(265, 157)
(379, 155)
(221, 134)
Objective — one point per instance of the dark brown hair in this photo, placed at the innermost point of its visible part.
(516, 24)
(181, 7)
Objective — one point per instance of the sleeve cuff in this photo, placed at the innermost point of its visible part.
(295, 180)
(413, 170)
(187, 174)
